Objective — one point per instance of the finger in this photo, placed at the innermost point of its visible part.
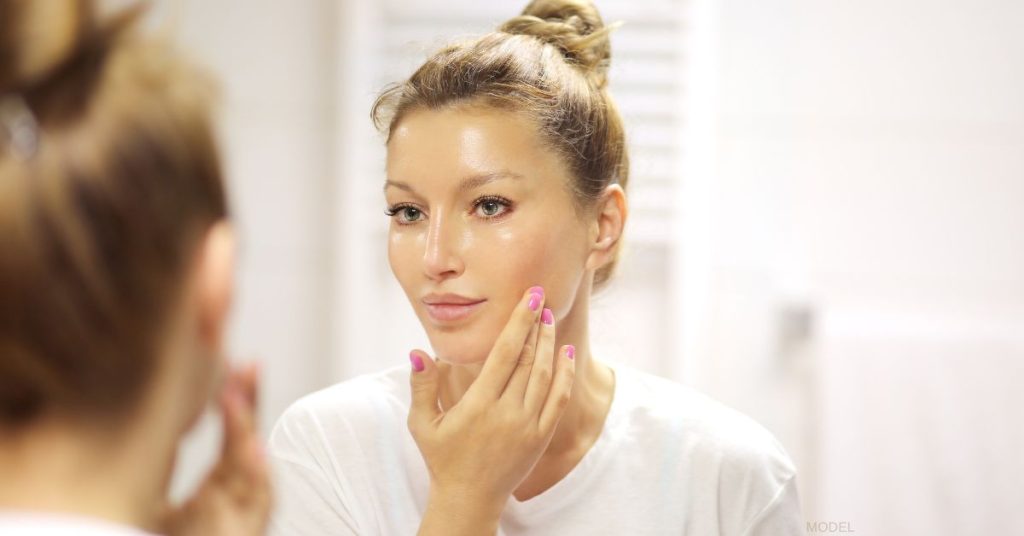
(257, 477)
(236, 427)
(423, 381)
(254, 379)
(245, 472)
(242, 469)
(250, 378)
(561, 389)
(515, 390)
(245, 380)
(543, 365)
(504, 356)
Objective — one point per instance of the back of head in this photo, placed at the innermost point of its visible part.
(550, 63)
(108, 178)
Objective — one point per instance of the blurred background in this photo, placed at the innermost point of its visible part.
(827, 228)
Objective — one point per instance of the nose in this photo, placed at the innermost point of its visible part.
(441, 258)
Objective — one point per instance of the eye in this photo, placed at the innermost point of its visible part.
(492, 207)
(404, 214)
(410, 214)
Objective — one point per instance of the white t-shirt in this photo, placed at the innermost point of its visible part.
(19, 523)
(670, 460)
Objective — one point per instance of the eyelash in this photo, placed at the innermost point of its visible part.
(397, 208)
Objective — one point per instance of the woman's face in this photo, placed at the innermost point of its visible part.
(481, 211)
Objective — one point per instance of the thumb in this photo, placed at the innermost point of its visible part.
(424, 384)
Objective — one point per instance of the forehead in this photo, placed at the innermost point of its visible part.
(454, 142)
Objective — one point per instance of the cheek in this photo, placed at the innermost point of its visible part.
(402, 254)
(548, 255)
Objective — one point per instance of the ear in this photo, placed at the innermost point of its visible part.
(609, 215)
(215, 270)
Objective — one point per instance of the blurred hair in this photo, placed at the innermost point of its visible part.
(97, 225)
(550, 63)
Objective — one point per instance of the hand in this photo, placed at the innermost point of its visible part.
(235, 498)
(483, 447)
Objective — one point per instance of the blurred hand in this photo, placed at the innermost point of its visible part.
(235, 498)
(483, 447)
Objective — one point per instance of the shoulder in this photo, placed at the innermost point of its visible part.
(726, 462)
(327, 449)
(704, 430)
(353, 398)
(344, 413)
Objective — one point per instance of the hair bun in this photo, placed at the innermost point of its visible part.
(36, 38)
(575, 27)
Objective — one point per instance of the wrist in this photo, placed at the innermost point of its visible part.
(455, 512)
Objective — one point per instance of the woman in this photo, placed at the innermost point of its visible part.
(115, 281)
(506, 176)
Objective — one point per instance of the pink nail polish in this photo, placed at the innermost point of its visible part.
(547, 317)
(534, 301)
(417, 362)
(570, 352)
(537, 290)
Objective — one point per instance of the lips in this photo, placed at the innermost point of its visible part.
(448, 308)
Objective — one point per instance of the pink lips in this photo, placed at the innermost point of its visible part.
(450, 307)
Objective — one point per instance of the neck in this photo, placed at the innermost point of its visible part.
(55, 466)
(115, 472)
(592, 388)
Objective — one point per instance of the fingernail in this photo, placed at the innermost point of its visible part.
(570, 352)
(547, 317)
(537, 290)
(535, 301)
(417, 362)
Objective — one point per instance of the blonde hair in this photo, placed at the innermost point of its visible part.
(551, 63)
(98, 221)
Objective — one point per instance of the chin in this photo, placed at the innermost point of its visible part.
(458, 349)
(459, 356)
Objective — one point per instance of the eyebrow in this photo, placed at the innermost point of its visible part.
(471, 182)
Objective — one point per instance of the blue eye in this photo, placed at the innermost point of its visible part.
(410, 213)
(406, 214)
(492, 207)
